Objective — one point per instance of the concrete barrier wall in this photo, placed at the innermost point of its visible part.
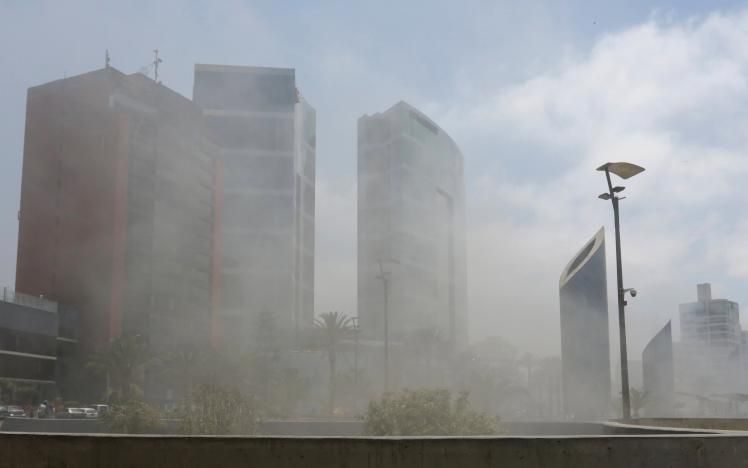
(728, 424)
(314, 428)
(351, 428)
(88, 451)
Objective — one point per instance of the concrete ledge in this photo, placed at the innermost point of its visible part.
(87, 451)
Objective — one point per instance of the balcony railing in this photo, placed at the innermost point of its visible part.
(27, 300)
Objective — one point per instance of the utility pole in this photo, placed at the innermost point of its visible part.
(385, 277)
(107, 59)
(356, 329)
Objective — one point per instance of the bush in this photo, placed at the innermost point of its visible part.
(215, 409)
(133, 417)
(426, 413)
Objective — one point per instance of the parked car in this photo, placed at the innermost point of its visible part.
(90, 413)
(12, 411)
(72, 413)
(100, 408)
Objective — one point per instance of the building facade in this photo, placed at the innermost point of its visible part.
(711, 344)
(28, 340)
(411, 227)
(117, 208)
(658, 373)
(585, 347)
(265, 133)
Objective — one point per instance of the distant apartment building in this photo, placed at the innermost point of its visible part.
(118, 200)
(711, 344)
(411, 227)
(585, 347)
(265, 133)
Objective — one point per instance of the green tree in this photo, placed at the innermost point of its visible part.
(334, 327)
(122, 363)
(214, 409)
(132, 417)
(426, 413)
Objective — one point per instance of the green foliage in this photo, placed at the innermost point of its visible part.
(123, 362)
(215, 409)
(426, 413)
(132, 417)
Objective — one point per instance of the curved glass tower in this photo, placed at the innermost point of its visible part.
(585, 347)
(658, 375)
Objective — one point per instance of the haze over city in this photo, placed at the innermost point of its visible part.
(536, 97)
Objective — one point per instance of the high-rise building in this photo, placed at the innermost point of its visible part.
(411, 227)
(266, 138)
(658, 372)
(585, 351)
(712, 344)
(117, 208)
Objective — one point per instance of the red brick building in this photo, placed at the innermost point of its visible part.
(118, 208)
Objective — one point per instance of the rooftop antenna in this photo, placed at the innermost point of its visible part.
(156, 61)
(107, 59)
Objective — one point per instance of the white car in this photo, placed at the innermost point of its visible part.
(90, 413)
(73, 413)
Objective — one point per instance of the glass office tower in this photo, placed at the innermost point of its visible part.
(411, 226)
(266, 138)
(585, 347)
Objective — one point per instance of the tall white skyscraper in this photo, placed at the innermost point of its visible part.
(411, 226)
(266, 137)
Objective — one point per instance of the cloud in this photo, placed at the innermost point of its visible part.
(668, 95)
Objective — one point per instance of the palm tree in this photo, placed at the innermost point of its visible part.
(334, 326)
(122, 362)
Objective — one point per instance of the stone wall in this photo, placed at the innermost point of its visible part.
(87, 451)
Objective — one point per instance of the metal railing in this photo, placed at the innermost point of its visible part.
(27, 300)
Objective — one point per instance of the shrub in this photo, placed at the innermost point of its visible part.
(132, 417)
(426, 413)
(215, 409)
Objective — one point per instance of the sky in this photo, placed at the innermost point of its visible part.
(536, 94)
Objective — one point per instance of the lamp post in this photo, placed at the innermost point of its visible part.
(384, 276)
(356, 330)
(623, 170)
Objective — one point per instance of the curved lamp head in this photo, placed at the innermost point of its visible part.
(623, 170)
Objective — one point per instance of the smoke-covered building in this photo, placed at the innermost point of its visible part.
(658, 372)
(411, 226)
(38, 347)
(711, 344)
(117, 207)
(266, 137)
(585, 350)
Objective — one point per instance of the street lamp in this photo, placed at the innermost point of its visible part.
(623, 170)
(385, 277)
(356, 330)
